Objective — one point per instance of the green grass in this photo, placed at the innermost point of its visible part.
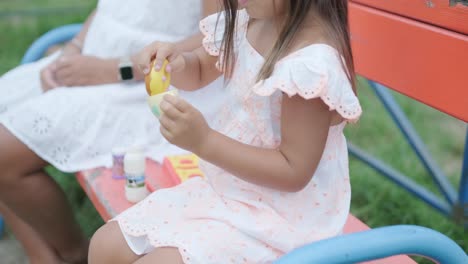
(376, 201)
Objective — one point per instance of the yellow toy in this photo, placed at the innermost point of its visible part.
(182, 167)
(154, 80)
(157, 88)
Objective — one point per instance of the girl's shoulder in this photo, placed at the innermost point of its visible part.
(213, 26)
(315, 71)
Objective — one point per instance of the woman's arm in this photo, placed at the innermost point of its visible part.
(76, 44)
(78, 70)
(48, 74)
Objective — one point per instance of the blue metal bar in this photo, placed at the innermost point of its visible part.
(399, 117)
(55, 36)
(401, 180)
(379, 243)
(463, 197)
(2, 227)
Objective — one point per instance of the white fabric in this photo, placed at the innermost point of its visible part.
(75, 128)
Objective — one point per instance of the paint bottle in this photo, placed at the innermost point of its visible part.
(118, 155)
(134, 167)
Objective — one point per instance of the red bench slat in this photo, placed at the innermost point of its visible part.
(434, 12)
(424, 62)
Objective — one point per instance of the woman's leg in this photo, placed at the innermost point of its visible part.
(108, 245)
(37, 250)
(37, 199)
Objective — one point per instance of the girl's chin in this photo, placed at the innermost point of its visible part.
(242, 3)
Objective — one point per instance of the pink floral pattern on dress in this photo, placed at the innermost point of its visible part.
(224, 219)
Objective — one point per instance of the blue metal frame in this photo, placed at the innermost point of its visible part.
(2, 227)
(55, 36)
(453, 204)
(463, 192)
(379, 243)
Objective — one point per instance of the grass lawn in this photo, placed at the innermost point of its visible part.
(376, 201)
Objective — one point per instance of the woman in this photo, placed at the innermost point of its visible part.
(72, 108)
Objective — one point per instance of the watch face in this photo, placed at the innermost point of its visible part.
(126, 73)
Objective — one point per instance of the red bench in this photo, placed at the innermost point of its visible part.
(107, 195)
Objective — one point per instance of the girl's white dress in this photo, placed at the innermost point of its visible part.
(75, 128)
(224, 219)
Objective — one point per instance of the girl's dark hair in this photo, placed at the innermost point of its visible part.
(331, 15)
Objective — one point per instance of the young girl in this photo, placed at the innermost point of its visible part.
(276, 163)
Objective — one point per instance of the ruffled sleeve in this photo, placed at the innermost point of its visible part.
(314, 72)
(212, 27)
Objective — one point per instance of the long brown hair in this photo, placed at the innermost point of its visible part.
(332, 16)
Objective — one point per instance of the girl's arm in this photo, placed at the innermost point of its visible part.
(304, 131)
(199, 70)
(191, 66)
(189, 44)
(189, 70)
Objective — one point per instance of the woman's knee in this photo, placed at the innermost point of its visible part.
(18, 160)
(108, 245)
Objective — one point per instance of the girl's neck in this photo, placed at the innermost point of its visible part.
(263, 34)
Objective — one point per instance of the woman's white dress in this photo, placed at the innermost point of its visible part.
(75, 128)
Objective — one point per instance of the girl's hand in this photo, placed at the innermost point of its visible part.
(80, 70)
(182, 124)
(160, 51)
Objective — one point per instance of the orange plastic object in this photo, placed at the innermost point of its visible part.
(424, 62)
(182, 167)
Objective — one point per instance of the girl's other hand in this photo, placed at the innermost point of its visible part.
(160, 51)
(182, 124)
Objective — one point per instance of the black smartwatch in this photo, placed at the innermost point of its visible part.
(125, 69)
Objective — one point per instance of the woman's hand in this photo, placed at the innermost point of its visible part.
(80, 70)
(48, 80)
(160, 51)
(47, 74)
(182, 124)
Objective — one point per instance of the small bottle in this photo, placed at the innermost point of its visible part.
(134, 167)
(118, 155)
